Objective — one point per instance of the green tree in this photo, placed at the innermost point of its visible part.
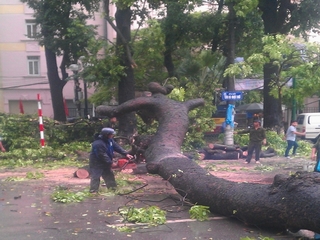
(101, 70)
(236, 22)
(148, 48)
(126, 85)
(127, 11)
(306, 72)
(292, 59)
(175, 26)
(182, 35)
(198, 70)
(64, 33)
(284, 17)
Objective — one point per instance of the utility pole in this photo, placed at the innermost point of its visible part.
(230, 85)
(294, 102)
(85, 112)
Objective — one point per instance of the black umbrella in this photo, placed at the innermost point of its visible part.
(258, 107)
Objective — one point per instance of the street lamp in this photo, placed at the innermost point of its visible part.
(75, 69)
(294, 102)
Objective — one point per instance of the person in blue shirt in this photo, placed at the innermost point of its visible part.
(101, 158)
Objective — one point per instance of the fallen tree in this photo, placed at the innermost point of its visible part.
(289, 202)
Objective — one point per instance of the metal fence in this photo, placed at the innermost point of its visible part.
(310, 109)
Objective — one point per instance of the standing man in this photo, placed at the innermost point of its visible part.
(101, 157)
(113, 123)
(291, 139)
(257, 137)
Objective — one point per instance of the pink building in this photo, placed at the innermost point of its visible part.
(23, 72)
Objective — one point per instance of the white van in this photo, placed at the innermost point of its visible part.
(310, 124)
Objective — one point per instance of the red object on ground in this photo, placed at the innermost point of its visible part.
(122, 162)
(81, 173)
(21, 107)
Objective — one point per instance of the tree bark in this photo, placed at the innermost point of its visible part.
(126, 86)
(275, 15)
(289, 202)
(170, 41)
(56, 86)
(272, 112)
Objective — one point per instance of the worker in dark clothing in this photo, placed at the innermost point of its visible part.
(101, 157)
(112, 123)
(257, 137)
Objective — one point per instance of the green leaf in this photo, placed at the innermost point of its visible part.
(199, 212)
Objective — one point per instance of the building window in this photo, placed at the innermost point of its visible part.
(34, 65)
(31, 28)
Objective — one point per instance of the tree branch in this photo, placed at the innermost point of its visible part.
(123, 40)
(290, 202)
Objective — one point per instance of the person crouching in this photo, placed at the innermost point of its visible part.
(101, 158)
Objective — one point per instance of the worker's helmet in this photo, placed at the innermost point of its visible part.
(107, 131)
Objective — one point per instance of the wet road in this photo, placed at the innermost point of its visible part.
(27, 212)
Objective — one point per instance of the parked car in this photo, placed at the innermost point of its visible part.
(310, 124)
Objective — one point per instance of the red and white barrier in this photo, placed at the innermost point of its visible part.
(41, 128)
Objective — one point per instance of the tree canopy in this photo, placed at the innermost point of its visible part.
(173, 41)
(293, 59)
(284, 17)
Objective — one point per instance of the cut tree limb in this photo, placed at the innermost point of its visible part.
(290, 202)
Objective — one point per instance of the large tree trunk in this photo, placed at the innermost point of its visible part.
(275, 19)
(272, 111)
(127, 122)
(56, 86)
(290, 202)
(170, 26)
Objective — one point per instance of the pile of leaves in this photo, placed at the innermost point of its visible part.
(199, 212)
(152, 215)
(64, 195)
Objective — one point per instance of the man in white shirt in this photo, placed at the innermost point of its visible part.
(291, 138)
